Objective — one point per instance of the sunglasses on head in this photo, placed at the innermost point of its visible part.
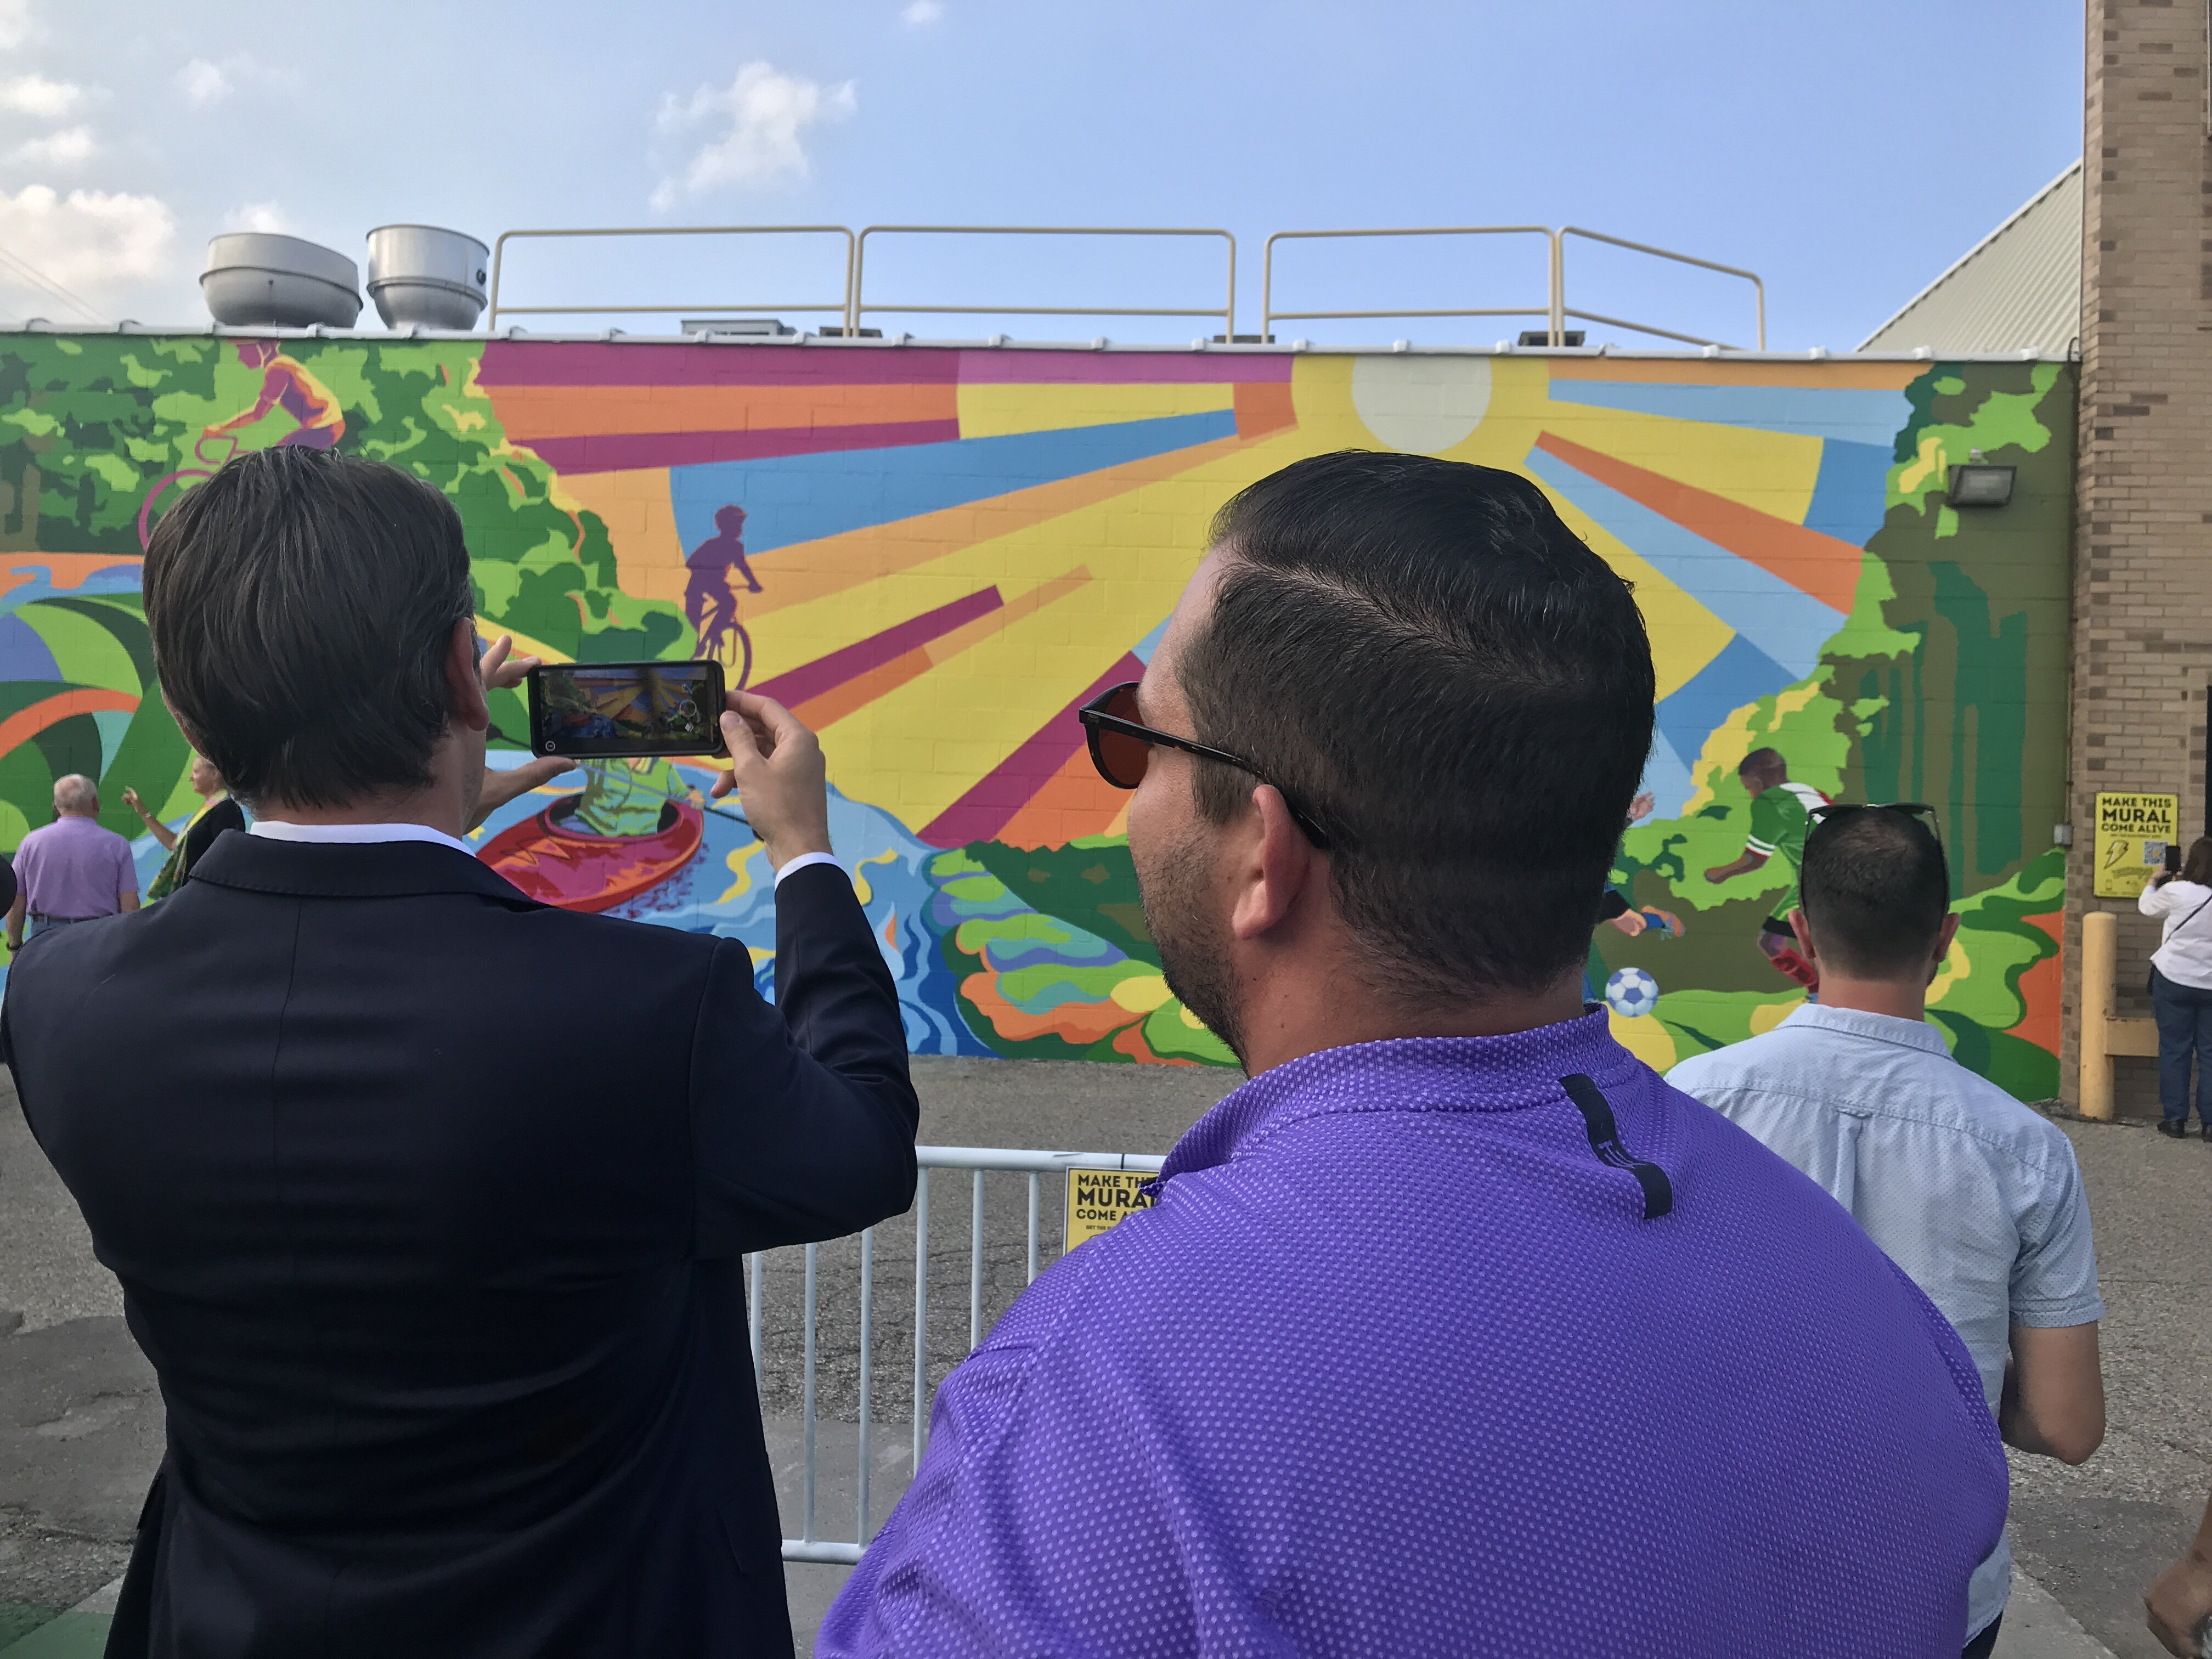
(1830, 812)
(1121, 748)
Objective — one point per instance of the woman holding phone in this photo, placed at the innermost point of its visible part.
(2181, 987)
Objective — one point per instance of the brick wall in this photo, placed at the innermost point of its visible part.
(2142, 608)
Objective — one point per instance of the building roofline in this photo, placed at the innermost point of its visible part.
(1001, 342)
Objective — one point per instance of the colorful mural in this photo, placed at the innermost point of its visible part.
(936, 555)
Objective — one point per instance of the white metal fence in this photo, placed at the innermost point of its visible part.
(977, 1162)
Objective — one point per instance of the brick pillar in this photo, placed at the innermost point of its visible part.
(2143, 592)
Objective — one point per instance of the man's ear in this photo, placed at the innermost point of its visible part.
(1275, 864)
(463, 683)
(1803, 929)
(1944, 935)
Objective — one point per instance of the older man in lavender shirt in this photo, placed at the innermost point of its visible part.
(71, 870)
(1454, 1330)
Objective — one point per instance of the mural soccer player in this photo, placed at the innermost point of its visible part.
(709, 602)
(1781, 813)
(285, 385)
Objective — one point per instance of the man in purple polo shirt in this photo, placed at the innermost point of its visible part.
(71, 870)
(1456, 1330)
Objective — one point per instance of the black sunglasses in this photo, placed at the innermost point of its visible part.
(1830, 811)
(1121, 748)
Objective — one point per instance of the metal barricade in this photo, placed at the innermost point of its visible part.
(977, 1162)
(862, 305)
(1555, 310)
(1559, 266)
(842, 306)
(1268, 314)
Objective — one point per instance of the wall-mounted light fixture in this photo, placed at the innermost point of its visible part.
(1978, 484)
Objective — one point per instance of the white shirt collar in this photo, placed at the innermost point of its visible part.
(356, 834)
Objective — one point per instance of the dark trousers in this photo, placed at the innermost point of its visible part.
(1985, 1643)
(2185, 1028)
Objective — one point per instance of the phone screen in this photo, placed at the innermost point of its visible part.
(2173, 858)
(619, 708)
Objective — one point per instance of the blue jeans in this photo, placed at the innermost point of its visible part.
(2185, 1028)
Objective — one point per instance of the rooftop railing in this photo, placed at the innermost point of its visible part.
(854, 303)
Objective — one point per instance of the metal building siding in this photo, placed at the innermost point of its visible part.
(2019, 288)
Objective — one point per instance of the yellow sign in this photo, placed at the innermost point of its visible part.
(2133, 832)
(1097, 1198)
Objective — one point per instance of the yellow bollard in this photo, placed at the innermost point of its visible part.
(2099, 946)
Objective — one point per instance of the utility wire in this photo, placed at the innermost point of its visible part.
(31, 276)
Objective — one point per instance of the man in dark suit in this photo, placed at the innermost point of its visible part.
(428, 1201)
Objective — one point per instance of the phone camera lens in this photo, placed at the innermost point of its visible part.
(548, 748)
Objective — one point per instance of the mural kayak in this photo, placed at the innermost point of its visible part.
(936, 555)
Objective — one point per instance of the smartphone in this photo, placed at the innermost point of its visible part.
(2173, 858)
(626, 708)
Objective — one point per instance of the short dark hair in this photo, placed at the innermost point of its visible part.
(1874, 887)
(1761, 760)
(302, 602)
(1457, 689)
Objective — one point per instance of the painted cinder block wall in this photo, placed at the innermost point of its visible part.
(2142, 605)
(947, 549)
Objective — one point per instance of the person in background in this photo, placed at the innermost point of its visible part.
(217, 812)
(1973, 1195)
(1781, 812)
(429, 1203)
(2178, 1602)
(1454, 1330)
(2181, 987)
(71, 870)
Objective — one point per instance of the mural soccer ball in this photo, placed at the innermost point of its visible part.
(1631, 992)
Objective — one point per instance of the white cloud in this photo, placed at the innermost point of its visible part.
(94, 241)
(203, 83)
(754, 125)
(34, 94)
(57, 149)
(264, 216)
(16, 23)
(922, 13)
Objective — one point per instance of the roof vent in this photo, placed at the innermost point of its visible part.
(255, 279)
(420, 274)
(765, 328)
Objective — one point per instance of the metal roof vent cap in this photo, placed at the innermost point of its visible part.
(420, 274)
(256, 279)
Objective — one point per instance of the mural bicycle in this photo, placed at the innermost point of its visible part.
(935, 555)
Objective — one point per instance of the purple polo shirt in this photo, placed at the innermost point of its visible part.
(73, 868)
(1412, 1357)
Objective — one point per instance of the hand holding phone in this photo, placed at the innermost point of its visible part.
(779, 776)
(625, 709)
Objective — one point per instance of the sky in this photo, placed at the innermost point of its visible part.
(1846, 150)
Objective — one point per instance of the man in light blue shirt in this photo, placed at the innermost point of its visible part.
(1973, 1195)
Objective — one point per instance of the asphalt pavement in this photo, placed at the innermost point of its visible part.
(81, 1420)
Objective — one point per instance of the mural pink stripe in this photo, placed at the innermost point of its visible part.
(1005, 368)
(812, 679)
(644, 362)
(633, 452)
(1003, 791)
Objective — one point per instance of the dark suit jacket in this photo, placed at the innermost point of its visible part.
(428, 1203)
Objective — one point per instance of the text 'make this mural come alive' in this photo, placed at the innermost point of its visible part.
(936, 555)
